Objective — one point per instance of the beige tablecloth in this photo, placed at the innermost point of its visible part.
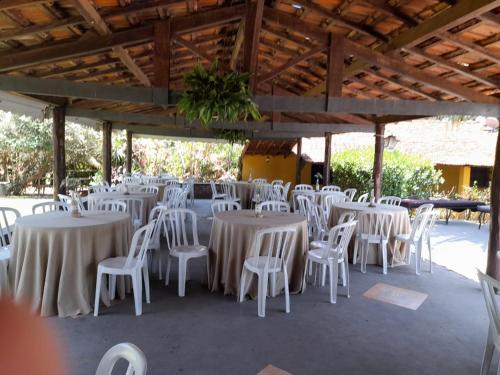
(244, 191)
(231, 241)
(400, 225)
(148, 200)
(54, 258)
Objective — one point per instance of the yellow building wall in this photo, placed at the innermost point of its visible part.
(456, 177)
(275, 168)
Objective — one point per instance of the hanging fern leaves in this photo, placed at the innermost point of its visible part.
(211, 96)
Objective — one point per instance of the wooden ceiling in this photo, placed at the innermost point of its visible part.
(395, 49)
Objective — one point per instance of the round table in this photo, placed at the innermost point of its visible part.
(54, 258)
(244, 191)
(400, 225)
(230, 243)
(148, 200)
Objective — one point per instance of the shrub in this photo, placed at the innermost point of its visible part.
(403, 175)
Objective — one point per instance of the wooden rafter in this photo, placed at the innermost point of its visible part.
(240, 36)
(253, 23)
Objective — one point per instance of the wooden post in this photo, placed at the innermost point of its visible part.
(335, 67)
(130, 152)
(106, 151)
(59, 150)
(162, 43)
(493, 265)
(379, 160)
(298, 164)
(328, 158)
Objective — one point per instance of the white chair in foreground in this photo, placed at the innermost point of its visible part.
(180, 246)
(137, 363)
(377, 227)
(415, 239)
(393, 201)
(333, 255)
(224, 205)
(41, 208)
(275, 245)
(278, 206)
(489, 287)
(133, 265)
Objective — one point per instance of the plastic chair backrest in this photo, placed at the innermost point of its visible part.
(258, 181)
(49, 207)
(333, 197)
(286, 188)
(152, 189)
(275, 244)
(170, 195)
(8, 217)
(300, 187)
(278, 206)
(176, 219)
(305, 206)
(394, 201)
(264, 191)
(142, 237)
(375, 223)
(347, 217)
(351, 192)
(363, 198)
(224, 205)
(338, 239)
(427, 207)
(331, 188)
(157, 213)
(129, 352)
(135, 208)
(278, 192)
(114, 205)
(277, 182)
(418, 225)
(488, 286)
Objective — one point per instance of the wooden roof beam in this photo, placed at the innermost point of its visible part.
(253, 23)
(198, 52)
(14, 4)
(240, 36)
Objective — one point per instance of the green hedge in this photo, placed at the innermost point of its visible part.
(403, 175)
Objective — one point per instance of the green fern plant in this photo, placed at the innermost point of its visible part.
(212, 96)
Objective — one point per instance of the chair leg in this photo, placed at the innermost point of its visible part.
(334, 275)
(167, 273)
(137, 286)
(342, 274)
(287, 291)
(160, 261)
(430, 253)
(488, 354)
(181, 290)
(243, 280)
(145, 275)
(364, 255)
(323, 274)
(418, 257)
(383, 245)
(261, 305)
(346, 262)
(355, 254)
(97, 292)
(112, 287)
(273, 284)
(304, 279)
(310, 268)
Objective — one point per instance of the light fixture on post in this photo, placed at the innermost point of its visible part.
(390, 142)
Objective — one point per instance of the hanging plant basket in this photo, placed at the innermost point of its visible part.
(213, 96)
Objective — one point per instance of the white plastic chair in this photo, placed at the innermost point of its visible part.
(270, 252)
(415, 239)
(66, 199)
(98, 188)
(133, 265)
(41, 208)
(114, 205)
(434, 216)
(301, 187)
(152, 189)
(170, 195)
(424, 208)
(331, 188)
(135, 208)
(277, 182)
(286, 188)
(157, 215)
(394, 201)
(8, 217)
(376, 231)
(229, 189)
(304, 193)
(190, 185)
(262, 192)
(351, 192)
(278, 206)
(173, 183)
(215, 193)
(333, 255)
(330, 199)
(226, 205)
(137, 363)
(131, 180)
(489, 287)
(363, 198)
(278, 193)
(180, 246)
(258, 181)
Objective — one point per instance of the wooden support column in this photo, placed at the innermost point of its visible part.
(378, 160)
(106, 151)
(493, 265)
(335, 67)
(328, 158)
(59, 150)
(162, 43)
(298, 164)
(275, 116)
(130, 152)
(253, 23)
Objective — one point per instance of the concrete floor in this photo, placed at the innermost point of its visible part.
(209, 333)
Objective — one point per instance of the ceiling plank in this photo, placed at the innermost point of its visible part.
(453, 16)
(13, 4)
(87, 10)
(44, 28)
